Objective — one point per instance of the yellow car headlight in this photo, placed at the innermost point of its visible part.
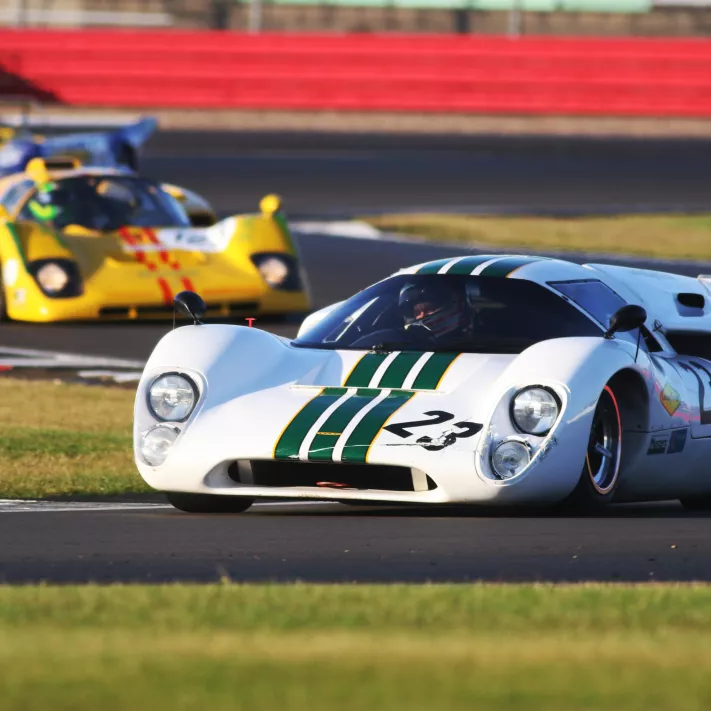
(52, 278)
(279, 270)
(57, 278)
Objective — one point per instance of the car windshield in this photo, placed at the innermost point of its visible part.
(432, 312)
(105, 203)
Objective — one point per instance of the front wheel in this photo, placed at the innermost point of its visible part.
(699, 503)
(3, 308)
(208, 503)
(601, 470)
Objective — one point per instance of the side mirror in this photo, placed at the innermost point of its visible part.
(626, 318)
(191, 304)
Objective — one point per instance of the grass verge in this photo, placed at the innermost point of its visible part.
(309, 647)
(661, 236)
(61, 439)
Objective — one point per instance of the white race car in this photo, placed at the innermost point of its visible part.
(483, 379)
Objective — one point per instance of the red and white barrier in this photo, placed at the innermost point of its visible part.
(532, 75)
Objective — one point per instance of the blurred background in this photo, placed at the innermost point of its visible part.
(397, 113)
(644, 18)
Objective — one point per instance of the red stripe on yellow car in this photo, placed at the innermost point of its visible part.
(153, 239)
(166, 291)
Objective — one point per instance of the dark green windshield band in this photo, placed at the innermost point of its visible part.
(364, 370)
(469, 264)
(434, 267)
(504, 267)
(399, 369)
(433, 371)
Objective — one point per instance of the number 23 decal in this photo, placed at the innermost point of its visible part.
(436, 417)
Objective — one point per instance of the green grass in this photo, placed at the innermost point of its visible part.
(317, 648)
(61, 439)
(661, 236)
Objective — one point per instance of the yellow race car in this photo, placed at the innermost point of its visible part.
(97, 243)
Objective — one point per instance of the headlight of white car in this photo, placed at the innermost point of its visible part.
(172, 397)
(156, 444)
(534, 410)
(510, 458)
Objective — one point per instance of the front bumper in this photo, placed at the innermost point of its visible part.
(210, 447)
(112, 306)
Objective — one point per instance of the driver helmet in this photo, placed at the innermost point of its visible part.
(50, 201)
(434, 305)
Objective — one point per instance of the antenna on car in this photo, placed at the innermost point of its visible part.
(191, 304)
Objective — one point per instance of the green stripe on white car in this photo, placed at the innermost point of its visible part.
(404, 370)
(347, 432)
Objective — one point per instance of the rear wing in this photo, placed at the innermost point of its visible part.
(118, 148)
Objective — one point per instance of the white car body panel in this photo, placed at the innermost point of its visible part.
(254, 385)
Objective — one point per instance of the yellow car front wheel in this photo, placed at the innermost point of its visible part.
(3, 309)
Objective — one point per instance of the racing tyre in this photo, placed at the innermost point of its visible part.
(601, 470)
(699, 503)
(208, 503)
(3, 311)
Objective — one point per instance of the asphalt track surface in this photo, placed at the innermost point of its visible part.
(338, 543)
(322, 176)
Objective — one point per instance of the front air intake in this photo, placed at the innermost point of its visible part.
(271, 473)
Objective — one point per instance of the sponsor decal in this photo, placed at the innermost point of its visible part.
(339, 424)
(186, 239)
(677, 441)
(670, 399)
(658, 444)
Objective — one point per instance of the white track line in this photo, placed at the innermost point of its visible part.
(31, 358)
(35, 506)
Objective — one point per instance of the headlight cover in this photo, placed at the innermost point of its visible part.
(52, 278)
(534, 410)
(57, 278)
(172, 397)
(279, 270)
(156, 444)
(510, 458)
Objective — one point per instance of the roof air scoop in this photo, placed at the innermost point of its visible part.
(691, 300)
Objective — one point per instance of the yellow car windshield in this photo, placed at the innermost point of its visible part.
(105, 203)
